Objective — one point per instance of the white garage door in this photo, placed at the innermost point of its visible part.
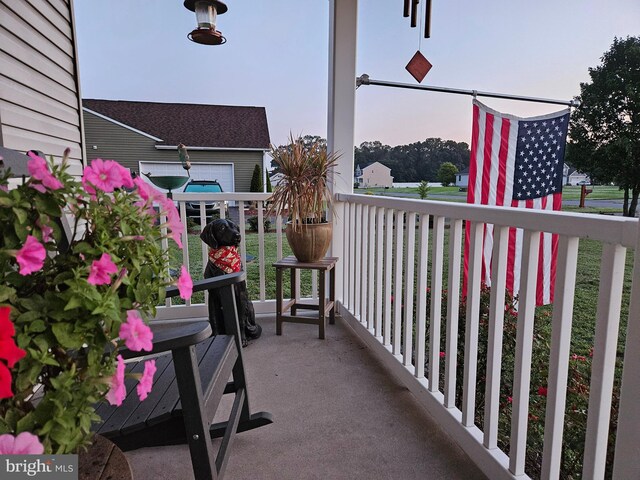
(222, 172)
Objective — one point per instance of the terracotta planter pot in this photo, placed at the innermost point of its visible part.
(311, 242)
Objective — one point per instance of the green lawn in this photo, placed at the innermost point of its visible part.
(600, 192)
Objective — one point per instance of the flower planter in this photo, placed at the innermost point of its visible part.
(310, 242)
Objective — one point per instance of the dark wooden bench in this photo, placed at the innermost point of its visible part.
(189, 384)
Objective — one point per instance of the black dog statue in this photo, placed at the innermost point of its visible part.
(223, 237)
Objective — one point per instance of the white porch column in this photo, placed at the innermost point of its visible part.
(343, 26)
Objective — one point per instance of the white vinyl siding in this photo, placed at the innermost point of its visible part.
(39, 95)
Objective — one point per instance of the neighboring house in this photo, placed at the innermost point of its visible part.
(40, 107)
(374, 175)
(224, 142)
(571, 176)
(462, 178)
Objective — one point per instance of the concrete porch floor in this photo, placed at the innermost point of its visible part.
(337, 415)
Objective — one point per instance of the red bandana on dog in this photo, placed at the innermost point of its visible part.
(226, 259)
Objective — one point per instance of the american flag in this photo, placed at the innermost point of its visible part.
(517, 162)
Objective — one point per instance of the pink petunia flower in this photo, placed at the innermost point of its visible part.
(443, 354)
(101, 270)
(185, 284)
(146, 382)
(39, 170)
(125, 174)
(173, 220)
(24, 443)
(136, 334)
(46, 231)
(31, 256)
(542, 391)
(146, 191)
(104, 175)
(118, 391)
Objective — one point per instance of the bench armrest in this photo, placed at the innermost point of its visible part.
(211, 283)
(171, 337)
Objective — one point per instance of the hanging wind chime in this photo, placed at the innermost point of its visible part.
(418, 66)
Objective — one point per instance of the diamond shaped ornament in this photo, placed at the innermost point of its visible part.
(418, 66)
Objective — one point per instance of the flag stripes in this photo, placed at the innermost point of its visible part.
(500, 145)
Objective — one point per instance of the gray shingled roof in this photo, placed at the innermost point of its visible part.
(221, 126)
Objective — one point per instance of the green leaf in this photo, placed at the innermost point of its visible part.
(66, 335)
(20, 229)
(47, 204)
(6, 293)
(21, 215)
(26, 423)
(74, 302)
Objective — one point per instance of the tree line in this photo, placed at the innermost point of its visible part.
(408, 163)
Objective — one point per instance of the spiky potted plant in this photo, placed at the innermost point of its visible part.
(303, 195)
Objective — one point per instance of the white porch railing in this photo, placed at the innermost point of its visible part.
(195, 251)
(382, 249)
(380, 257)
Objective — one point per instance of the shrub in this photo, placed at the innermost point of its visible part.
(577, 401)
(256, 180)
(253, 224)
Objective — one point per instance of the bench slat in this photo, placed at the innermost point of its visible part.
(163, 402)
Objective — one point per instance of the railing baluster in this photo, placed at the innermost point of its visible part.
(379, 270)
(278, 234)
(604, 359)
(410, 260)
(397, 283)
(494, 341)
(371, 275)
(437, 258)
(346, 241)
(472, 322)
(261, 249)
(185, 243)
(421, 323)
(352, 256)
(364, 265)
(627, 460)
(388, 287)
(524, 347)
(559, 359)
(358, 263)
(453, 313)
(243, 231)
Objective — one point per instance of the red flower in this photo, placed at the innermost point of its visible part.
(5, 382)
(542, 391)
(9, 352)
(6, 327)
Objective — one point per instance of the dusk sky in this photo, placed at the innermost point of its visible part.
(276, 56)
